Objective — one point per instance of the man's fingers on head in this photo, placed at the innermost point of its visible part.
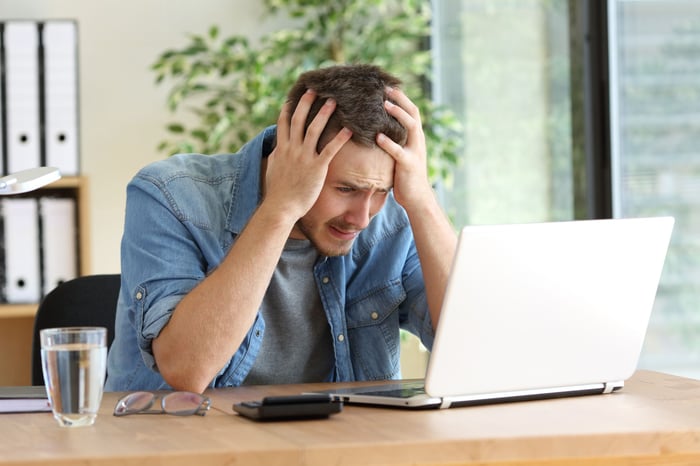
(400, 97)
(301, 112)
(283, 122)
(402, 101)
(315, 129)
(324, 113)
(335, 144)
(307, 99)
(285, 111)
(389, 146)
(404, 117)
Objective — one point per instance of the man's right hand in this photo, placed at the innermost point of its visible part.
(296, 172)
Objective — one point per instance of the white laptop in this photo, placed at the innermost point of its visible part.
(536, 311)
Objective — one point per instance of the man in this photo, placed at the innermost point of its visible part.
(297, 259)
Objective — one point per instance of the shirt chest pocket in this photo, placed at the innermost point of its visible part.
(373, 331)
(376, 307)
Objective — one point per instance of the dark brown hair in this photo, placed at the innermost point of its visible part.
(359, 92)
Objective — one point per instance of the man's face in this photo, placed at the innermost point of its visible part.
(356, 187)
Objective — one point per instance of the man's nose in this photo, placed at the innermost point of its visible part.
(359, 213)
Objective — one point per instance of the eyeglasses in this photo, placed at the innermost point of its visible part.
(175, 403)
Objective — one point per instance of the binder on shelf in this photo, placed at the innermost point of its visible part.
(59, 248)
(59, 42)
(21, 53)
(21, 235)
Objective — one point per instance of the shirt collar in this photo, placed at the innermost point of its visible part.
(246, 193)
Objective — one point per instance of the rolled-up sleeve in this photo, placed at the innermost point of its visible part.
(162, 259)
(415, 306)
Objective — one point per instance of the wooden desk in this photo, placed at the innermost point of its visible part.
(655, 419)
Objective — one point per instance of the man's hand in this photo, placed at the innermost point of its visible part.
(295, 170)
(435, 239)
(411, 184)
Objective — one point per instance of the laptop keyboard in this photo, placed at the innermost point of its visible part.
(405, 392)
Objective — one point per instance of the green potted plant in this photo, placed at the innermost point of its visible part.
(234, 90)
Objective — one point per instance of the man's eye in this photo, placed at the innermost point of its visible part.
(345, 189)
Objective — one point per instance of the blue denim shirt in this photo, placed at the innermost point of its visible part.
(182, 216)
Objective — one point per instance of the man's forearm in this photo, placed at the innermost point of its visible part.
(209, 324)
(436, 242)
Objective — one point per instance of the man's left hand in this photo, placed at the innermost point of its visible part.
(411, 184)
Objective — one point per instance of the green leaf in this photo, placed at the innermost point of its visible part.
(200, 134)
(176, 128)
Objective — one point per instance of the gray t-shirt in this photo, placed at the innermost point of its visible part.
(297, 345)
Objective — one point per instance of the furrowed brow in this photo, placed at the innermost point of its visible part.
(365, 187)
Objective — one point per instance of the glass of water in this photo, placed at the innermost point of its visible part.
(74, 361)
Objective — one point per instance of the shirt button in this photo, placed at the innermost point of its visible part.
(341, 337)
(257, 333)
(139, 295)
(375, 316)
(325, 280)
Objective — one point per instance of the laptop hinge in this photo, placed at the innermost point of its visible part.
(446, 403)
(610, 387)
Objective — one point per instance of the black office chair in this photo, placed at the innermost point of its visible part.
(90, 301)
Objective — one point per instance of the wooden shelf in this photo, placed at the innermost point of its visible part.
(17, 320)
(13, 311)
(65, 182)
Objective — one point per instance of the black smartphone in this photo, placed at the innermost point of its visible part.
(277, 408)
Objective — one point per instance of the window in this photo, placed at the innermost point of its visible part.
(582, 109)
(655, 146)
(503, 67)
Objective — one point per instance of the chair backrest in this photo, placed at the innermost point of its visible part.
(90, 301)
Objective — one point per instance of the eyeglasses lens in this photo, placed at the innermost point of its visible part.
(134, 403)
(185, 403)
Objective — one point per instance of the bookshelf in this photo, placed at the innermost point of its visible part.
(17, 320)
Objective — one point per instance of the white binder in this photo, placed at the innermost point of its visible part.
(21, 39)
(60, 47)
(21, 229)
(58, 241)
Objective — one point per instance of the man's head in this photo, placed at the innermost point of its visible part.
(359, 92)
(360, 175)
